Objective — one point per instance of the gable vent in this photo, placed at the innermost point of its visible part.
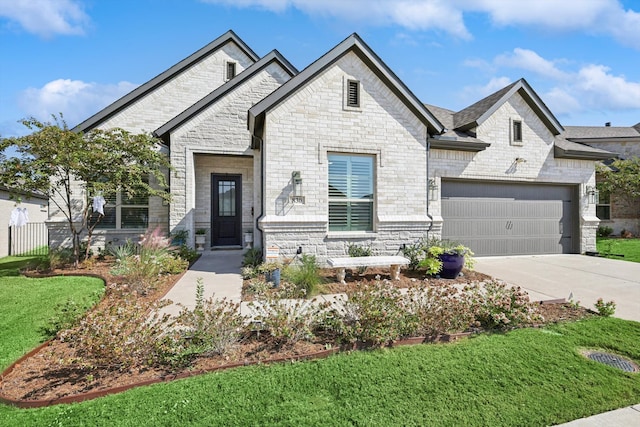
(353, 93)
(231, 70)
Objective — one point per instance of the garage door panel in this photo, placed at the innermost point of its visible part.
(507, 218)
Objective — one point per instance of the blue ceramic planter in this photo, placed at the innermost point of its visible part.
(451, 265)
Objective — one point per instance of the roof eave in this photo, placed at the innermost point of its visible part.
(457, 145)
(357, 45)
(561, 153)
(161, 78)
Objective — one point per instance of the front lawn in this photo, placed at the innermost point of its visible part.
(26, 305)
(609, 248)
(531, 377)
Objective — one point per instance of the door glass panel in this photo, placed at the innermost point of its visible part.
(226, 198)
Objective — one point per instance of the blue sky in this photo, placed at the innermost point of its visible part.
(77, 56)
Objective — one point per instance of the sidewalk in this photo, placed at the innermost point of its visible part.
(219, 272)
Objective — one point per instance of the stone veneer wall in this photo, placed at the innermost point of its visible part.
(497, 163)
(313, 122)
(220, 131)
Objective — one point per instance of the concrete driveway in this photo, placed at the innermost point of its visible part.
(588, 278)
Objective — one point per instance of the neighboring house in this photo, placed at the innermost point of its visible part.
(344, 153)
(612, 210)
(36, 206)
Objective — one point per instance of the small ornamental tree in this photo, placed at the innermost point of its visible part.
(71, 168)
(622, 179)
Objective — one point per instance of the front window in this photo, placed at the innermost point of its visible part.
(603, 208)
(122, 212)
(350, 192)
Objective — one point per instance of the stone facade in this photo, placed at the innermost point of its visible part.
(312, 123)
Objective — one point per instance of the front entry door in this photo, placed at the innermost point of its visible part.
(226, 210)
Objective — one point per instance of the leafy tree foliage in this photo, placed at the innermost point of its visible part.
(72, 167)
(622, 179)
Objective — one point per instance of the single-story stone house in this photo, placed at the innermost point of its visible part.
(344, 153)
(612, 210)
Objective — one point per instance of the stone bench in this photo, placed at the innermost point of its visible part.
(394, 262)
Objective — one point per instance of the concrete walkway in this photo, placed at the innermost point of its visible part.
(545, 277)
(585, 278)
(219, 272)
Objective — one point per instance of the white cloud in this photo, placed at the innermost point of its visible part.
(46, 17)
(440, 15)
(591, 16)
(591, 87)
(531, 61)
(472, 94)
(606, 17)
(75, 99)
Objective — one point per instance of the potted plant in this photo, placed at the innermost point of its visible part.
(271, 271)
(446, 258)
(201, 238)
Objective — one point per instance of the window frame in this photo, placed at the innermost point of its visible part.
(116, 204)
(605, 197)
(351, 215)
(516, 132)
(227, 75)
(348, 84)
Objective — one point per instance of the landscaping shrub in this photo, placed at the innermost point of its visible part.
(141, 266)
(604, 231)
(213, 327)
(498, 306)
(252, 258)
(306, 275)
(376, 313)
(355, 251)
(439, 309)
(286, 316)
(606, 309)
(121, 334)
(415, 253)
(67, 314)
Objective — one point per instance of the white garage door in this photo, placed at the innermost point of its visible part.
(510, 219)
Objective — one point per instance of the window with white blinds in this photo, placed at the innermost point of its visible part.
(350, 192)
(121, 211)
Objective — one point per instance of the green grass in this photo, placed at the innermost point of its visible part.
(630, 248)
(11, 265)
(27, 304)
(531, 377)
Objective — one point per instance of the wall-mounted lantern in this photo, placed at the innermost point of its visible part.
(296, 182)
(433, 189)
(593, 195)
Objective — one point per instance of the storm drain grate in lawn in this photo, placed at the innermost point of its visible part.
(613, 360)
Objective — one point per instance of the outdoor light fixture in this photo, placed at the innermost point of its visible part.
(593, 195)
(296, 181)
(433, 189)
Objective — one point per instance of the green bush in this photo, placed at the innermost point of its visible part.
(286, 316)
(252, 258)
(376, 314)
(123, 333)
(498, 306)
(212, 327)
(439, 309)
(306, 275)
(604, 231)
(606, 309)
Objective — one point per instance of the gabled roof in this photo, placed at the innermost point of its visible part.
(273, 56)
(590, 133)
(152, 84)
(355, 44)
(477, 113)
(565, 149)
(450, 138)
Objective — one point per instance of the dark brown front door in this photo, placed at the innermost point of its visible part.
(226, 210)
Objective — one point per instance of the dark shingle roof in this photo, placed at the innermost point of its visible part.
(600, 132)
(477, 113)
(160, 79)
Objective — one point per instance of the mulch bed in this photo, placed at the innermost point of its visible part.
(44, 377)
